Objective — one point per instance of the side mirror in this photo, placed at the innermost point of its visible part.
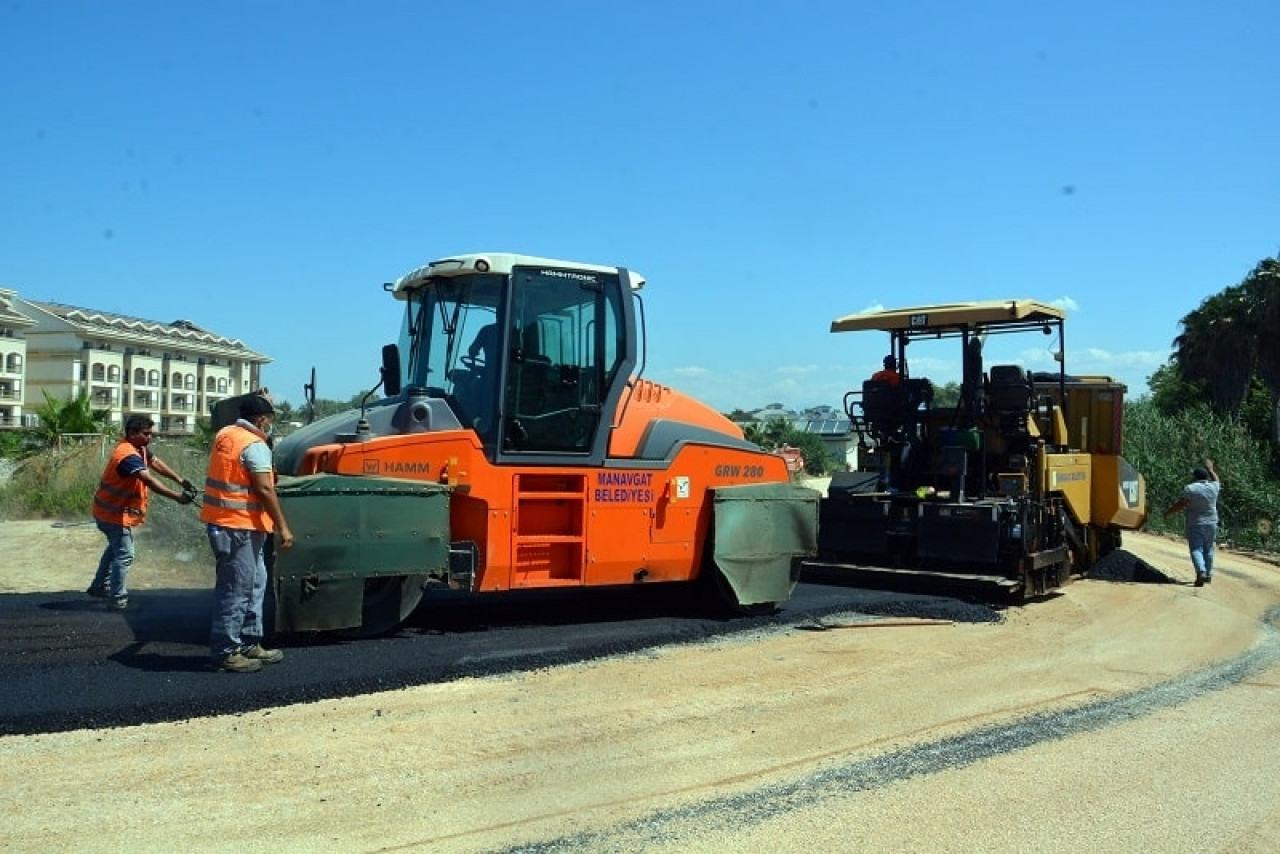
(391, 370)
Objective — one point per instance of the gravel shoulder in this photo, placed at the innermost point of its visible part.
(785, 741)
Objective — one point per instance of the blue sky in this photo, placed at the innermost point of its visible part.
(262, 168)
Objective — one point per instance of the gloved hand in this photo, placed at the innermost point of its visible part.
(188, 492)
(186, 497)
(188, 486)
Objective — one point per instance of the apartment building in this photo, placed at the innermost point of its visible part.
(173, 372)
(13, 359)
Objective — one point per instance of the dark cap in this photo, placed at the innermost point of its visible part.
(254, 405)
(890, 362)
(1200, 473)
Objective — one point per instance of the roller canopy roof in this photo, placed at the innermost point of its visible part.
(992, 313)
(496, 262)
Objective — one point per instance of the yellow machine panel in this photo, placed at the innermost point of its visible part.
(1070, 475)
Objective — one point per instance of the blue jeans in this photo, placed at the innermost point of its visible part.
(241, 583)
(117, 558)
(1200, 541)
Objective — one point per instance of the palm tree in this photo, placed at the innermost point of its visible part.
(1265, 281)
(1231, 336)
(60, 418)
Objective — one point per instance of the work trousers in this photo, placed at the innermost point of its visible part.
(1200, 542)
(239, 588)
(117, 558)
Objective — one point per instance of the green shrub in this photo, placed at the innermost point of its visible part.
(59, 483)
(1166, 447)
(12, 445)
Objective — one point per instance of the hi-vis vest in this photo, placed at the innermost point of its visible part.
(121, 500)
(229, 499)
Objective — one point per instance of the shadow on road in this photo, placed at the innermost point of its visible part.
(137, 656)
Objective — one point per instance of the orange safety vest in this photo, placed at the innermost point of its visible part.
(229, 499)
(121, 500)
(888, 375)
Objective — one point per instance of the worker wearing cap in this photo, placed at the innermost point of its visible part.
(1200, 501)
(120, 505)
(889, 373)
(241, 509)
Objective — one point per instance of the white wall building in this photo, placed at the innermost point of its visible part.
(172, 372)
(13, 361)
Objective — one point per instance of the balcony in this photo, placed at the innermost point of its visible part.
(178, 426)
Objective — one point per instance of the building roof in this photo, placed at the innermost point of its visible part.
(179, 333)
(9, 313)
(834, 424)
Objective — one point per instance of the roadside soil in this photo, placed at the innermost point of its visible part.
(742, 744)
(45, 556)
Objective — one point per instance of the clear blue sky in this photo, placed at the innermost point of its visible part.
(261, 168)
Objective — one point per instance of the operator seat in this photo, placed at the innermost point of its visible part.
(1011, 394)
(884, 407)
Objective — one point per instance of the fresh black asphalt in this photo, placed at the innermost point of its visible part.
(67, 663)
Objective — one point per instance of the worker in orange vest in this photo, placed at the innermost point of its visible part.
(120, 505)
(241, 509)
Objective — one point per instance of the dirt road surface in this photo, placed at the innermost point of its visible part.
(1114, 717)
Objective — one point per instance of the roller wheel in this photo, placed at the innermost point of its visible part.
(388, 602)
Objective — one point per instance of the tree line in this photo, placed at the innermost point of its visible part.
(1217, 398)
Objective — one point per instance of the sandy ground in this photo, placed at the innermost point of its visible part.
(43, 555)
(751, 744)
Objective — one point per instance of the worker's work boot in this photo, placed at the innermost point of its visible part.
(258, 652)
(237, 663)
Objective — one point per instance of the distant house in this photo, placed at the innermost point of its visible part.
(837, 434)
(830, 424)
(173, 372)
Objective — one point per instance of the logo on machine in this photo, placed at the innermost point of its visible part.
(748, 472)
(624, 487)
(374, 466)
(569, 274)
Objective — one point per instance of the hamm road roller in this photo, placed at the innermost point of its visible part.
(516, 446)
